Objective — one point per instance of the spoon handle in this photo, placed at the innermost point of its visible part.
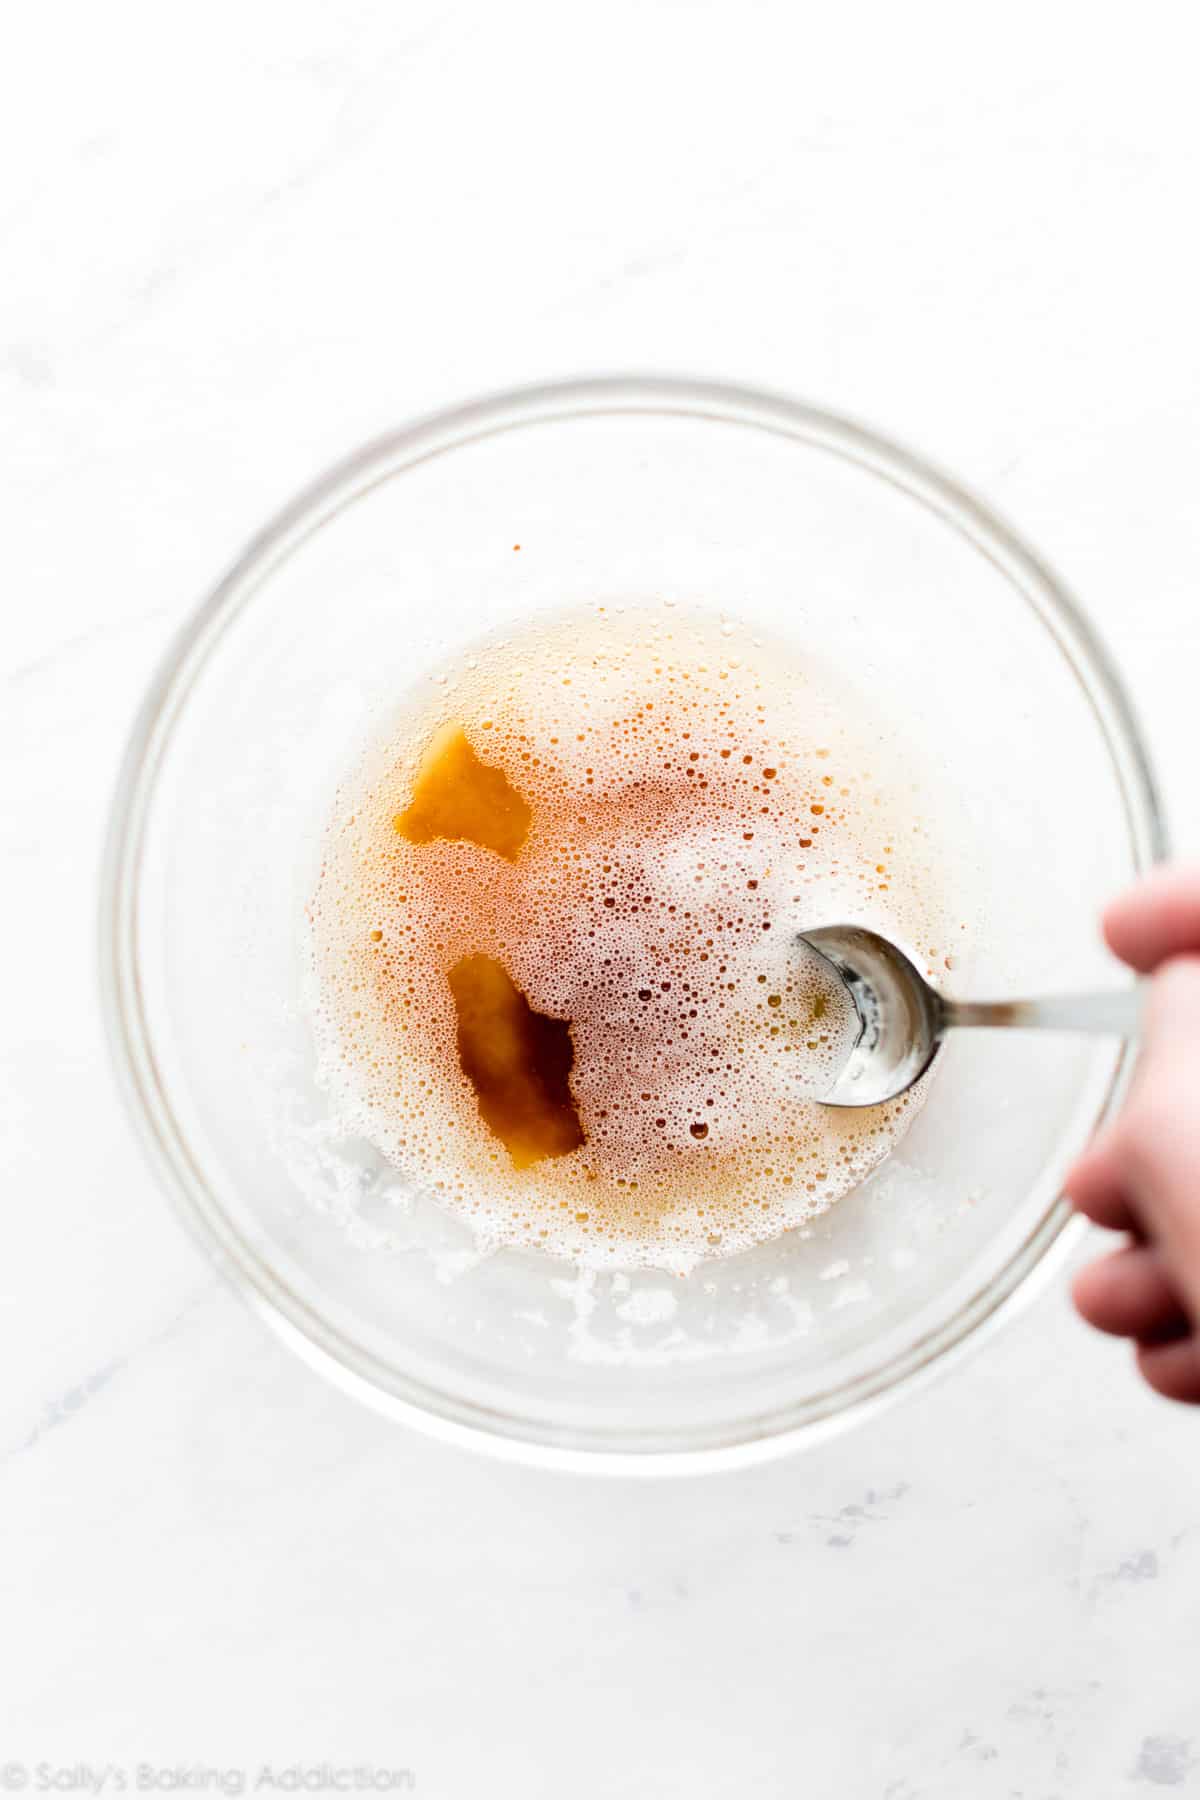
(1115, 1014)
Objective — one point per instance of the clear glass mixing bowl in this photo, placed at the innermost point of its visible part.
(781, 516)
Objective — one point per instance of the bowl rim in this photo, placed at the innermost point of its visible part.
(144, 1090)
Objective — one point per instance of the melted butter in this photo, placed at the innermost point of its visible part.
(555, 936)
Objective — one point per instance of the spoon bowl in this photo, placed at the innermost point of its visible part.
(903, 1019)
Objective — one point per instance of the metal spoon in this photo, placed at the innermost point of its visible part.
(902, 1019)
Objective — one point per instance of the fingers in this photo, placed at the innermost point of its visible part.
(1096, 1186)
(1172, 1370)
(1129, 1294)
(1149, 1161)
(1157, 919)
(1172, 1028)
(1154, 1149)
(1142, 1176)
(1143, 1173)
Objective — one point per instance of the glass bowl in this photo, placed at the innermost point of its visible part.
(788, 519)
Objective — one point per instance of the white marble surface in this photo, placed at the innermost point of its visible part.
(237, 240)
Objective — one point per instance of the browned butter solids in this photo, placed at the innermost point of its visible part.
(458, 796)
(518, 1061)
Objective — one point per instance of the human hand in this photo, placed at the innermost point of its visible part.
(1142, 1175)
